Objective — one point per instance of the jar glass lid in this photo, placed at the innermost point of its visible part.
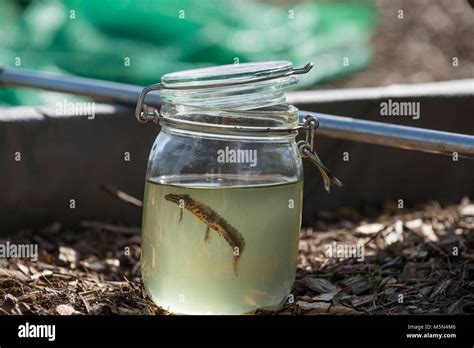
(230, 74)
(243, 86)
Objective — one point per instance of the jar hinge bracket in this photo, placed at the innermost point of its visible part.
(307, 150)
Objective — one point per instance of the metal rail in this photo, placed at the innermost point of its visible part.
(403, 137)
(411, 138)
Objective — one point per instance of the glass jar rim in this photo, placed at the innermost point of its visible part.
(232, 97)
(278, 119)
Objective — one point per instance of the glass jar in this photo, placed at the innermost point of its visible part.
(223, 192)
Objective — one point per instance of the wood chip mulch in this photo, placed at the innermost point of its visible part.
(417, 261)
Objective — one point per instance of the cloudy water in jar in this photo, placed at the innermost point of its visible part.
(220, 248)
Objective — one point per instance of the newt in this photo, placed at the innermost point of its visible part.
(213, 221)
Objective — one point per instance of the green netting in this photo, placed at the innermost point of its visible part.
(138, 41)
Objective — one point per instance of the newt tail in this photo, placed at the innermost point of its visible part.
(213, 221)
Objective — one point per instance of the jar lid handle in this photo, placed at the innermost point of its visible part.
(307, 150)
(304, 69)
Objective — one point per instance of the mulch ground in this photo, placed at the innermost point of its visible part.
(414, 262)
(418, 48)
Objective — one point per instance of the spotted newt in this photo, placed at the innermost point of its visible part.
(213, 221)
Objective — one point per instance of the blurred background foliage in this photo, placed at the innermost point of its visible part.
(138, 41)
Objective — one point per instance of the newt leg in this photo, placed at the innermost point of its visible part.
(235, 264)
(207, 236)
(180, 214)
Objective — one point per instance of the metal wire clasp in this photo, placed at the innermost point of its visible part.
(307, 150)
(143, 112)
